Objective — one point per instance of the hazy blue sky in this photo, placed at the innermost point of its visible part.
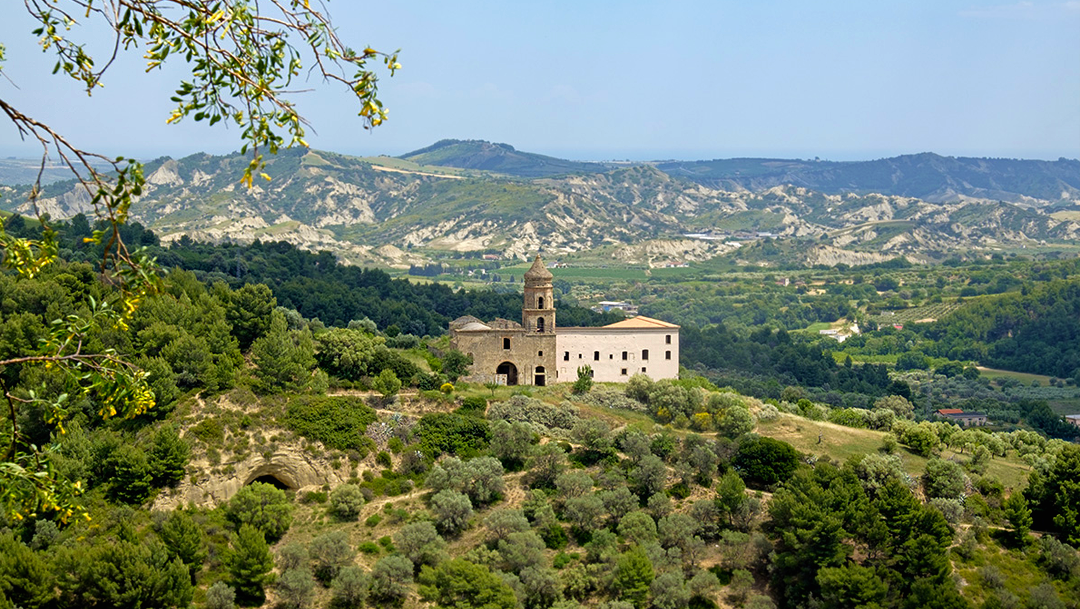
(645, 80)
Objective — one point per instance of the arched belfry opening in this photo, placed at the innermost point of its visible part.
(540, 302)
(540, 324)
(506, 373)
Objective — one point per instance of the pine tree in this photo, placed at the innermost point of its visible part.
(250, 564)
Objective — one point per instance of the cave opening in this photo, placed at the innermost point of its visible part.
(273, 481)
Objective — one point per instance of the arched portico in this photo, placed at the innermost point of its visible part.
(508, 373)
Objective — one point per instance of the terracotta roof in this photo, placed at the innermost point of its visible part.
(538, 272)
(641, 322)
(950, 411)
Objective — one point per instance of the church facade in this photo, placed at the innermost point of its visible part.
(538, 352)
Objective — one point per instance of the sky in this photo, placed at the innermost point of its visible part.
(640, 80)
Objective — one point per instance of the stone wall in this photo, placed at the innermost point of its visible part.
(527, 352)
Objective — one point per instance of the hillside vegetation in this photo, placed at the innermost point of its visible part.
(288, 463)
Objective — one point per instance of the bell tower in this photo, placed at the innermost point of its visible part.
(538, 312)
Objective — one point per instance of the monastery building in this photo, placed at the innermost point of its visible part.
(537, 352)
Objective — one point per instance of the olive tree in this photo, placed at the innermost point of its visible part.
(452, 511)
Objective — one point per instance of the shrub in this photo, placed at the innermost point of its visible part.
(210, 431)
(220, 596)
(373, 521)
(262, 506)
(387, 383)
(336, 421)
(391, 579)
(452, 511)
(368, 547)
(313, 497)
(765, 461)
(331, 552)
(473, 406)
(481, 479)
(383, 459)
(296, 588)
(346, 501)
(452, 433)
(446, 388)
(584, 380)
(350, 587)
(529, 410)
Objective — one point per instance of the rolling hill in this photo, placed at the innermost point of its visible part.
(404, 211)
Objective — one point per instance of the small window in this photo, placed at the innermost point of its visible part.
(506, 343)
(612, 356)
(667, 354)
(540, 325)
(667, 339)
(624, 371)
(579, 355)
(566, 356)
(592, 373)
(596, 356)
(643, 369)
(540, 303)
(624, 355)
(644, 354)
(539, 354)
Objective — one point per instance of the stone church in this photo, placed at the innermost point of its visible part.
(538, 352)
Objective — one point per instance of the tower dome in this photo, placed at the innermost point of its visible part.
(538, 274)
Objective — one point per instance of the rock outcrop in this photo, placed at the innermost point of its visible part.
(290, 464)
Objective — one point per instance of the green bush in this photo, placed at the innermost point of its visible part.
(383, 459)
(373, 521)
(368, 547)
(210, 431)
(765, 461)
(338, 422)
(474, 406)
(452, 433)
(346, 501)
(313, 497)
(262, 506)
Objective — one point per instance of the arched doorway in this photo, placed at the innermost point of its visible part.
(507, 372)
(541, 378)
(540, 324)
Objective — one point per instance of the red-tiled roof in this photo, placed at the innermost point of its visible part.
(950, 411)
(641, 322)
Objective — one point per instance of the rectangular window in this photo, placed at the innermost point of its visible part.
(566, 356)
(644, 354)
(579, 356)
(667, 354)
(667, 339)
(539, 354)
(624, 371)
(624, 355)
(643, 369)
(506, 343)
(596, 356)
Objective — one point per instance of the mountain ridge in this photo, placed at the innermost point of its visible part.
(398, 212)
